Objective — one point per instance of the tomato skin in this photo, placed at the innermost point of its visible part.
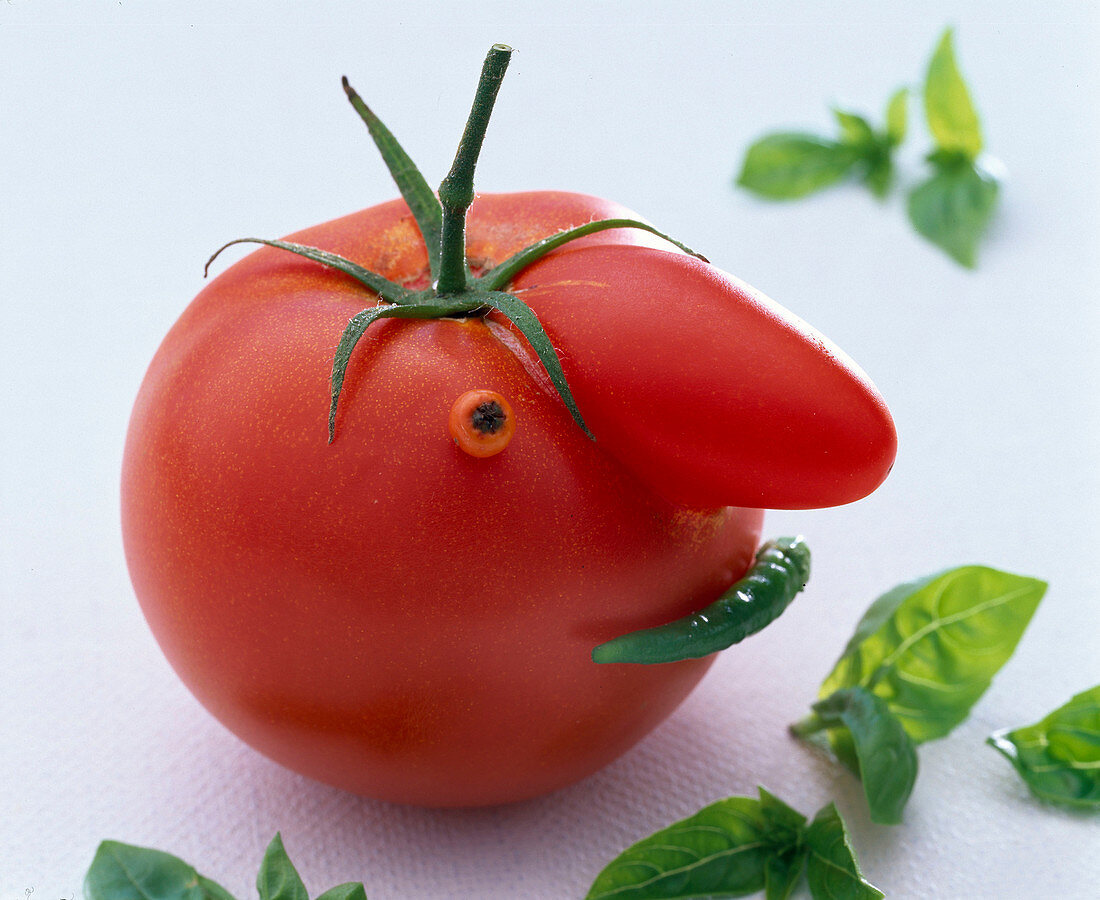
(387, 613)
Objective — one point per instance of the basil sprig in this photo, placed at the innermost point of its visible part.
(952, 208)
(125, 872)
(735, 847)
(921, 656)
(790, 165)
(1059, 756)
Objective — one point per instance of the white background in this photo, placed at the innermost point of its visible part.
(135, 139)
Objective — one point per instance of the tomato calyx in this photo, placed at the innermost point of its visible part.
(455, 292)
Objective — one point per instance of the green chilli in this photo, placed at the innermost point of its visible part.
(781, 570)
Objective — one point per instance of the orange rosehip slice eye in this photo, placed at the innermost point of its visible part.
(481, 423)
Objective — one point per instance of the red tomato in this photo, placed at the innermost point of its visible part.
(392, 615)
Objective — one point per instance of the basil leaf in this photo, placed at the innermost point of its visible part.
(125, 872)
(953, 208)
(952, 118)
(930, 648)
(214, 891)
(886, 754)
(1059, 757)
(831, 868)
(352, 890)
(721, 851)
(786, 166)
(782, 874)
(785, 825)
(278, 879)
(855, 130)
(897, 114)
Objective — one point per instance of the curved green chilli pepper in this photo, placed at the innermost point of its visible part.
(780, 571)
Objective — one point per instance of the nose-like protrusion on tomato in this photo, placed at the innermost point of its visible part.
(482, 423)
(709, 392)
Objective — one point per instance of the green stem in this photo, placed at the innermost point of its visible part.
(812, 724)
(456, 193)
(779, 573)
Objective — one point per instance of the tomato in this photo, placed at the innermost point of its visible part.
(388, 613)
(409, 610)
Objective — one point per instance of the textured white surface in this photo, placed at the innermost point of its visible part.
(129, 151)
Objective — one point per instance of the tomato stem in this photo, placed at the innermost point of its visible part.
(456, 192)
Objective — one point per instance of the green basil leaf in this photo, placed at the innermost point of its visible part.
(125, 872)
(952, 118)
(897, 115)
(784, 823)
(953, 208)
(213, 890)
(782, 874)
(831, 868)
(352, 890)
(721, 851)
(787, 166)
(785, 828)
(855, 130)
(886, 754)
(879, 176)
(877, 616)
(278, 879)
(930, 648)
(1059, 757)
